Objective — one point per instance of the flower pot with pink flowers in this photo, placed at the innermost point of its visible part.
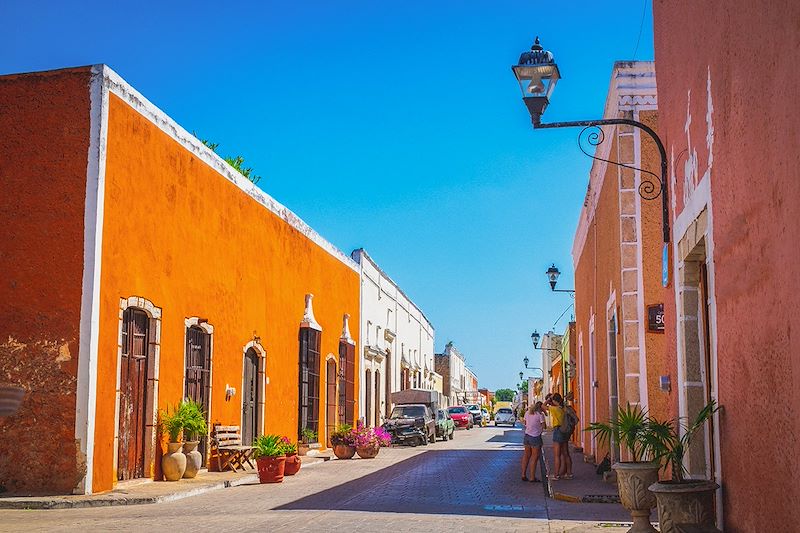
(369, 441)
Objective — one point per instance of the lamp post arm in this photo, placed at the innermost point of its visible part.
(598, 139)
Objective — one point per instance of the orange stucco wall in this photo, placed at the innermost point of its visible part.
(44, 120)
(181, 235)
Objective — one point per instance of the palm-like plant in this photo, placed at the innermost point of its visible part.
(194, 419)
(669, 441)
(628, 426)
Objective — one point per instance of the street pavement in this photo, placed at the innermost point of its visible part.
(467, 484)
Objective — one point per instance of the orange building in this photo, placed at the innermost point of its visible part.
(619, 349)
(140, 268)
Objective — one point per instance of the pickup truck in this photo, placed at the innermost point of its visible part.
(412, 421)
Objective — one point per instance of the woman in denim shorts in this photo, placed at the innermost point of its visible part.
(534, 426)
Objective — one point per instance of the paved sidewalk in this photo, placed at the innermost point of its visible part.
(138, 492)
(586, 486)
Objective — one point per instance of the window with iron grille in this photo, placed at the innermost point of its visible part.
(347, 388)
(309, 380)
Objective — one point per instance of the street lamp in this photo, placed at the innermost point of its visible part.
(537, 74)
(521, 374)
(552, 276)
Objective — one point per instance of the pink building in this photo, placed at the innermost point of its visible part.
(728, 92)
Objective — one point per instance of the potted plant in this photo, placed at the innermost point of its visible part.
(194, 425)
(292, 460)
(682, 501)
(342, 442)
(270, 458)
(173, 463)
(368, 441)
(307, 436)
(630, 427)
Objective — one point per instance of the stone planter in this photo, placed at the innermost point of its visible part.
(302, 449)
(173, 463)
(10, 399)
(633, 480)
(293, 463)
(688, 502)
(342, 451)
(194, 459)
(271, 469)
(368, 452)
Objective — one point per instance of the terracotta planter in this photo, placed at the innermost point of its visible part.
(293, 463)
(302, 449)
(368, 452)
(194, 459)
(633, 480)
(271, 469)
(173, 463)
(10, 399)
(342, 451)
(688, 502)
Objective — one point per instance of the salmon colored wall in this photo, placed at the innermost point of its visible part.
(755, 215)
(596, 275)
(181, 235)
(44, 120)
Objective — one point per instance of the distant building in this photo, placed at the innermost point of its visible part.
(458, 379)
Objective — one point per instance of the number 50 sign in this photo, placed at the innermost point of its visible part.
(655, 318)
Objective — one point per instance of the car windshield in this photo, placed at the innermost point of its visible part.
(440, 414)
(456, 410)
(473, 407)
(408, 411)
(504, 411)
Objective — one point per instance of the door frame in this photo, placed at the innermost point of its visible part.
(209, 329)
(151, 394)
(262, 381)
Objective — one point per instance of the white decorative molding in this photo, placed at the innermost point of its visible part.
(346, 330)
(200, 323)
(308, 315)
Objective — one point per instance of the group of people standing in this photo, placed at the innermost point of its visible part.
(563, 420)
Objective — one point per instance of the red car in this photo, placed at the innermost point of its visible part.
(461, 416)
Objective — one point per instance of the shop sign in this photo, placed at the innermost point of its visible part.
(655, 318)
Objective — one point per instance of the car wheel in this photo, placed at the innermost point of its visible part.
(414, 443)
(425, 440)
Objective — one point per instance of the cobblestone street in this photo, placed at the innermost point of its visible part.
(468, 484)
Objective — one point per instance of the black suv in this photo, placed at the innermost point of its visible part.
(411, 424)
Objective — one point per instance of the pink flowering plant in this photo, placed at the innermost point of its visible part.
(289, 448)
(365, 437)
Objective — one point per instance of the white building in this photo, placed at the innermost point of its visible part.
(551, 346)
(397, 341)
(460, 384)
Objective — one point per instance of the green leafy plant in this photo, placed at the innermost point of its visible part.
(194, 419)
(343, 436)
(172, 423)
(504, 395)
(670, 440)
(308, 435)
(237, 162)
(630, 427)
(269, 446)
(289, 447)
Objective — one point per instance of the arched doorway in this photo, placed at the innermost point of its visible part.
(251, 393)
(330, 398)
(197, 384)
(133, 394)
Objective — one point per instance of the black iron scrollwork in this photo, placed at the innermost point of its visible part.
(649, 186)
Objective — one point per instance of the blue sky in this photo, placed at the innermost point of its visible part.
(393, 126)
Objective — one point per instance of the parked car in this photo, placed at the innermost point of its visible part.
(461, 417)
(475, 411)
(505, 415)
(445, 427)
(411, 424)
(484, 417)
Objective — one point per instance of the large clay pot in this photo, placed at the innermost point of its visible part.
(688, 502)
(302, 449)
(194, 459)
(10, 399)
(173, 463)
(292, 465)
(271, 469)
(633, 480)
(342, 451)
(368, 452)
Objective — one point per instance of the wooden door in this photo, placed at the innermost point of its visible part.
(330, 398)
(198, 376)
(133, 394)
(250, 395)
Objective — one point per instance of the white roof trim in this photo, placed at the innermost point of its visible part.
(118, 86)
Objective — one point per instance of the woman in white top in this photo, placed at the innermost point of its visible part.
(534, 426)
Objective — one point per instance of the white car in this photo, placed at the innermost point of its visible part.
(504, 415)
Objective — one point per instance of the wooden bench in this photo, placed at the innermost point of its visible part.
(226, 447)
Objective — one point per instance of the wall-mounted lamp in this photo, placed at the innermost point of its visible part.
(230, 392)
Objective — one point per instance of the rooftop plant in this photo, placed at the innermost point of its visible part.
(237, 162)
